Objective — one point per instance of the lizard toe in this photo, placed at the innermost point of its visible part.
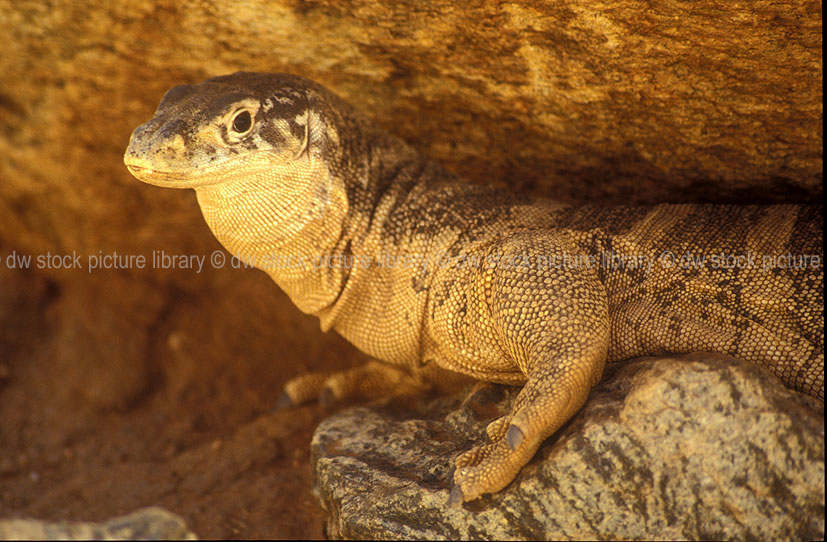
(488, 468)
(284, 402)
(327, 397)
(496, 429)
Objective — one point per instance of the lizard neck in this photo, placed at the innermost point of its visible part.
(339, 233)
(374, 295)
(317, 227)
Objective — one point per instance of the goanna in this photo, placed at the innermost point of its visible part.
(442, 281)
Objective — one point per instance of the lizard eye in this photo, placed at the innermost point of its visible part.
(242, 122)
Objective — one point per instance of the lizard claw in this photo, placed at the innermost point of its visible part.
(514, 436)
(327, 397)
(455, 497)
(284, 401)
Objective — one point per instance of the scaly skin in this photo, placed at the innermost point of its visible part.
(443, 281)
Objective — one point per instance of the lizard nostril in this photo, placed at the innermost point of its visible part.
(177, 143)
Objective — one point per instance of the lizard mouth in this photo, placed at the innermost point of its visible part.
(157, 178)
(144, 172)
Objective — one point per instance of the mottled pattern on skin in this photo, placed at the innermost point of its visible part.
(444, 281)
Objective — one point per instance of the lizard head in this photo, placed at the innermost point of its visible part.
(229, 128)
(267, 154)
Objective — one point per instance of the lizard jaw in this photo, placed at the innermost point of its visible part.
(157, 178)
(168, 179)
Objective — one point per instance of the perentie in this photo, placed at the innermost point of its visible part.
(440, 281)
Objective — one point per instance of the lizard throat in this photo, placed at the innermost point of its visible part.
(263, 228)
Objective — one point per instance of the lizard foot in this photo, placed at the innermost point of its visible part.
(369, 381)
(490, 467)
(539, 411)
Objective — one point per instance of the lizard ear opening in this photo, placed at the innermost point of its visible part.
(305, 148)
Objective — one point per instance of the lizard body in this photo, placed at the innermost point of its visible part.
(449, 281)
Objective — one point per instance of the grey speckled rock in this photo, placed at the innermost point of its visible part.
(693, 447)
(145, 524)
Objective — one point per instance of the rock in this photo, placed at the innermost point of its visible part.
(150, 523)
(699, 446)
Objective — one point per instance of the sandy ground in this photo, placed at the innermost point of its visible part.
(84, 435)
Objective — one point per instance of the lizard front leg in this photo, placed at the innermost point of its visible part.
(550, 325)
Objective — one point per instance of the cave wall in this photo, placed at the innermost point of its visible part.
(615, 102)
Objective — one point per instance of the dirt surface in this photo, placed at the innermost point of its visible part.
(94, 425)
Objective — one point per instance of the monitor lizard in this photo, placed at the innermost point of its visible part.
(443, 281)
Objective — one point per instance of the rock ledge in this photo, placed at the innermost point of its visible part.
(701, 446)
